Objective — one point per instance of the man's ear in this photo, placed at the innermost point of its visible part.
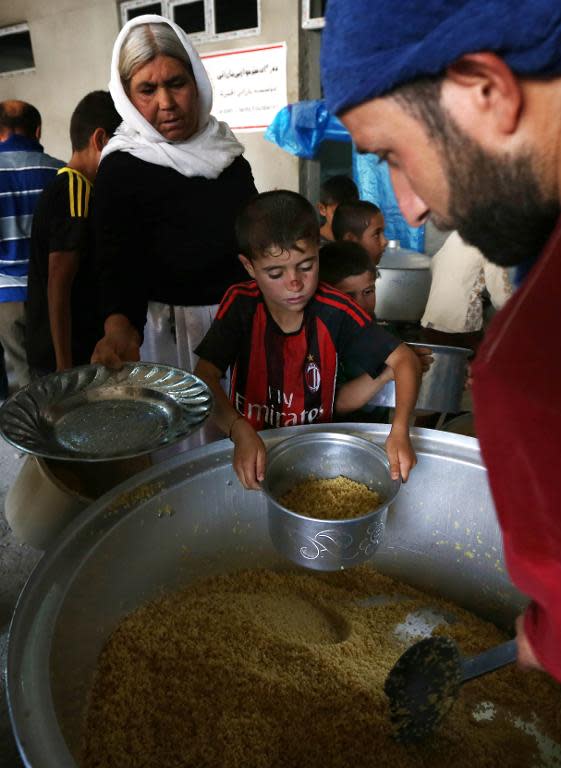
(487, 88)
(322, 209)
(38, 133)
(351, 236)
(248, 266)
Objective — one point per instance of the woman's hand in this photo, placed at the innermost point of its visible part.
(400, 452)
(120, 344)
(250, 454)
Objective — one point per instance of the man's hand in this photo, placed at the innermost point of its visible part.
(401, 455)
(526, 656)
(250, 455)
(120, 344)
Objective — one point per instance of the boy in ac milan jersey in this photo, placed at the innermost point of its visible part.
(282, 335)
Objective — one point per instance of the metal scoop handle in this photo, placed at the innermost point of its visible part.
(488, 661)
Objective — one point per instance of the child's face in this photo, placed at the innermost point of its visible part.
(362, 289)
(287, 280)
(373, 239)
(327, 210)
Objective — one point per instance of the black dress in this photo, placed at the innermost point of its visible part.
(161, 236)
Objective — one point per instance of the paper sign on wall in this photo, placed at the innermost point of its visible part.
(249, 85)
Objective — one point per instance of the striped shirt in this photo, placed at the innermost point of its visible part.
(282, 379)
(24, 171)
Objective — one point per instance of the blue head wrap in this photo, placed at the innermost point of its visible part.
(370, 47)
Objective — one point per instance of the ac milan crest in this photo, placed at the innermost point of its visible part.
(312, 376)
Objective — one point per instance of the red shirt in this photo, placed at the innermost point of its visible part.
(517, 393)
(283, 379)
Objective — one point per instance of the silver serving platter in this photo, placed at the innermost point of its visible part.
(92, 413)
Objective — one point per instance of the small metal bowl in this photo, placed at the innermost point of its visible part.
(327, 545)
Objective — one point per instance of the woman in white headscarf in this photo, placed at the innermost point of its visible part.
(168, 190)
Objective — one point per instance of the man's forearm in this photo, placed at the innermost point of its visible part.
(60, 322)
(63, 266)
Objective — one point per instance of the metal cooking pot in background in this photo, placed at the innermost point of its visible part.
(323, 544)
(442, 385)
(403, 288)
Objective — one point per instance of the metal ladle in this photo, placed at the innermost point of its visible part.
(425, 682)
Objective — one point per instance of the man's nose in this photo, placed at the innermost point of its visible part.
(413, 208)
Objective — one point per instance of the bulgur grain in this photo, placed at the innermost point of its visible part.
(337, 498)
(265, 669)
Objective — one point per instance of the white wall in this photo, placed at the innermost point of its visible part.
(72, 42)
(273, 168)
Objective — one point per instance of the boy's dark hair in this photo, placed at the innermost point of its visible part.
(338, 189)
(95, 110)
(342, 259)
(23, 118)
(352, 217)
(275, 220)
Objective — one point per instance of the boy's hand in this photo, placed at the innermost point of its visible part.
(425, 357)
(401, 455)
(250, 455)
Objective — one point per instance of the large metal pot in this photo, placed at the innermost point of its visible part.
(188, 518)
(442, 385)
(403, 288)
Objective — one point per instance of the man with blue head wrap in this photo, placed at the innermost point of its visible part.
(463, 99)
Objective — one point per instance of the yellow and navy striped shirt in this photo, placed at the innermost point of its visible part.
(79, 192)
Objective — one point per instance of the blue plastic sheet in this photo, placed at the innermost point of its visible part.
(373, 180)
(301, 128)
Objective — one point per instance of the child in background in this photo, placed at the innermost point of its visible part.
(347, 266)
(282, 335)
(333, 192)
(363, 223)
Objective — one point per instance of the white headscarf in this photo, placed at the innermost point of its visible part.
(207, 153)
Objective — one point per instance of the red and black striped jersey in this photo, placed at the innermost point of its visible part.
(280, 379)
